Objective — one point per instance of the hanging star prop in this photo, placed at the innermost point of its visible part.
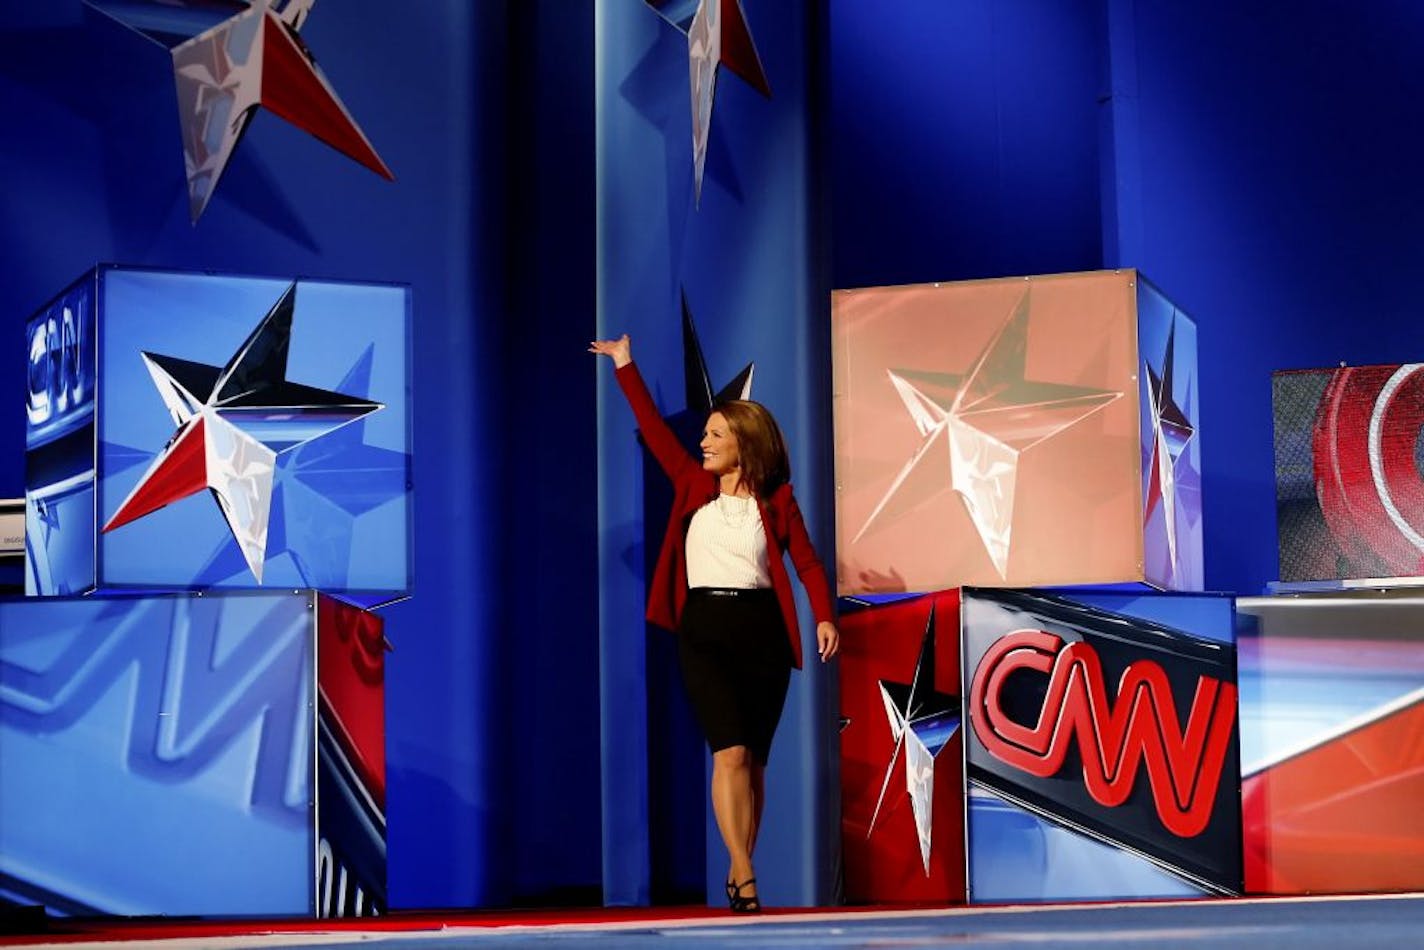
(717, 34)
(231, 57)
(980, 424)
(232, 423)
(1172, 432)
(922, 721)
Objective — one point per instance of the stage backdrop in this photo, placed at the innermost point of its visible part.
(1259, 173)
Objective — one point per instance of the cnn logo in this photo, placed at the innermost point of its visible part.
(1116, 737)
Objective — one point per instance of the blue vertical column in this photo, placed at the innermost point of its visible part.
(745, 257)
(631, 224)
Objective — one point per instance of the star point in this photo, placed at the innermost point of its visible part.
(701, 398)
(717, 35)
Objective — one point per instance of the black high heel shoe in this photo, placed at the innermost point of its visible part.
(740, 904)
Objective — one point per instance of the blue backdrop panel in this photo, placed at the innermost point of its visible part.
(963, 140)
(1092, 731)
(1182, 137)
(158, 754)
(318, 378)
(1234, 120)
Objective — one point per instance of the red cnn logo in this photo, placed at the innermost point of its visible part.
(1184, 768)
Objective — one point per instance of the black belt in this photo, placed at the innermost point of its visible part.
(731, 591)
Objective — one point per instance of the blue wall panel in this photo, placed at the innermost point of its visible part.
(962, 140)
(1277, 186)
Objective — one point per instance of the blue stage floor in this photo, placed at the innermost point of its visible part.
(1389, 921)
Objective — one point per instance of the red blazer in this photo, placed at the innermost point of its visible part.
(693, 487)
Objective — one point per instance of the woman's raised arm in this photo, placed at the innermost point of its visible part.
(668, 451)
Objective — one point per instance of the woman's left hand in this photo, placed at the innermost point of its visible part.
(828, 640)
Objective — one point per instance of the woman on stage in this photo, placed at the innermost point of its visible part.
(721, 585)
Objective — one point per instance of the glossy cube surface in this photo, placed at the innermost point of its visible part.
(1015, 432)
(215, 755)
(1332, 742)
(1101, 745)
(902, 750)
(191, 431)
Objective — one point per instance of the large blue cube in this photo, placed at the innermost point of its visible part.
(185, 754)
(201, 431)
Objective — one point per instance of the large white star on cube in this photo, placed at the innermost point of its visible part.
(979, 425)
(232, 423)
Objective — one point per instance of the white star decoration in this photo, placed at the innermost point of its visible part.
(717, 34)
(922, 721)
(232, 423)
(993, 417)
(230, 59)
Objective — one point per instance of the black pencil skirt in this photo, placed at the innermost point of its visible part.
(736, 664)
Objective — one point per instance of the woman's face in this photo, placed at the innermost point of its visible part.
(719, 446)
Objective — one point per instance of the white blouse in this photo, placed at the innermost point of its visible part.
(726, 545)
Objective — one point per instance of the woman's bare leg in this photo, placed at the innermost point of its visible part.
(758, 803)
(735, 807)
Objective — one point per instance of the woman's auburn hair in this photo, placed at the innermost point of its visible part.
(760, 446)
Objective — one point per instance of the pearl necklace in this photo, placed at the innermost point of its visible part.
(737, 513)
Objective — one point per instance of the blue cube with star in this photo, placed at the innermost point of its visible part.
(195, 431)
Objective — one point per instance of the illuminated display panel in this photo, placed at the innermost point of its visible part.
(1015, 432)
(186, 730)
(1332, 718)
(1168, 407)
(1101, 746)
(59, 443)
(1349, 494)
(246, 432)
(351, 761)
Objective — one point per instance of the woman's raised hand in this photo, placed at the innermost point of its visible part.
(620, 349)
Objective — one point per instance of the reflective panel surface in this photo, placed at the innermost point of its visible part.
(986, 433)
